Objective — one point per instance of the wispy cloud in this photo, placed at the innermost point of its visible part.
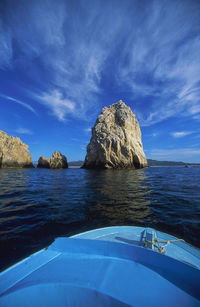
(164, 62)
(24, 131)
(82, 51)
(182, 154)
(6, 52)
(23, 104)
(59, 105)
(87, 130)
(180, 134)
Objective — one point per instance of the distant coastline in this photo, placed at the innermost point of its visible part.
(170, 163)
(151, 162)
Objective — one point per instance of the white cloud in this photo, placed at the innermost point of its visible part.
(180, 134)
(23, 131)
(182, 154)
(59, 105)
(5, 47)
(150, 50)
(88, 129)
(164, 62)
(70, 44)
(23, 104)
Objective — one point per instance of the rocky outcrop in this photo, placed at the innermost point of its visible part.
(56, 161)
(116, 140)
(13, 152)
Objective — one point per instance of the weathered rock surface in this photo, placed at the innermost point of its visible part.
(116, 140)
(56, 161)
(13, 152)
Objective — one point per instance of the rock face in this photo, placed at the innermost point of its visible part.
(13, 152)
(116, 140)
(56, 161)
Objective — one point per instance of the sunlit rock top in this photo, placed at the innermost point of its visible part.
(116, 140)
(13, 152)
(56, 161)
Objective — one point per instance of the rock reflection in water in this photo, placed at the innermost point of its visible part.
(121, 197)
(38, 205)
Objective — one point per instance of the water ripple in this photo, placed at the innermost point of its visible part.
(37, 205)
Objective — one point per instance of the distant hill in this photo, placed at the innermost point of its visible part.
(163, 163)
(76, 163)
(168, 163)
(150, 162)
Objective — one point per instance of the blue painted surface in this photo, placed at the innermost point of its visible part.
(179, 250)
(104, 267)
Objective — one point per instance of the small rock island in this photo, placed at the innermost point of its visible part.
(57, 161)
(116, 140)
(13, 152)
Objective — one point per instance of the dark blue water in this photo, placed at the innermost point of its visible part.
(38, 205)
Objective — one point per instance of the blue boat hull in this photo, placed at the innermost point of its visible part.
(177, 248)
(104, 267)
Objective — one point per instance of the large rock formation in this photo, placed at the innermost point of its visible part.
(56, 161)
(13, 152)
(116, 140)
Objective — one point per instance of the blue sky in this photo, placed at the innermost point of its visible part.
(62, 61)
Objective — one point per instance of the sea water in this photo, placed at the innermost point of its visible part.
(38, 205)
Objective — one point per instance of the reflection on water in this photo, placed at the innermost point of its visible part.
(38, 205)
(120, 197)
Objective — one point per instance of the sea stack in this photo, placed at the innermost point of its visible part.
(13, 152)
(116, 140)
(57, 161)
